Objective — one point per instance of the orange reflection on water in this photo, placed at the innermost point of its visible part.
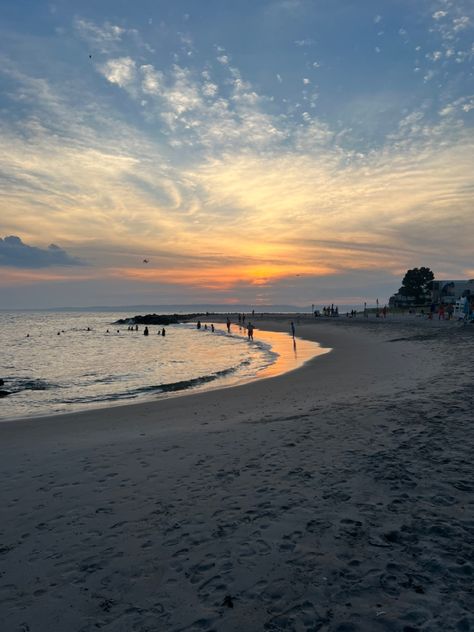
(292, 352)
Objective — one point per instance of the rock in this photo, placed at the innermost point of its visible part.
(4, 393)
(156, 319)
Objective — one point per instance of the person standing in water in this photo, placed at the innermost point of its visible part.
(228, 325)
(145, 331)
(250, 329)
(293, 331)
(198, 326)
(163, 332)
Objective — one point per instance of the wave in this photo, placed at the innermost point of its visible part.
(16, 385)
(169, 387)
(192, 382)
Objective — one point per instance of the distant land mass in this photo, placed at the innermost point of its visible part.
(173, 309)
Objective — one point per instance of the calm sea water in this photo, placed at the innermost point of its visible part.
(79, 369)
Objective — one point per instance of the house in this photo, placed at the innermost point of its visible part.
(447, 291)
(400, 301)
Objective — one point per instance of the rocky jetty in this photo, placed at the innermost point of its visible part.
(2, 392)
(157, 319)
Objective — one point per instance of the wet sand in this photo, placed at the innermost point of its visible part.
(334, 497)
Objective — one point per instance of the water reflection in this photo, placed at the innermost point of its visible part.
(290, 356)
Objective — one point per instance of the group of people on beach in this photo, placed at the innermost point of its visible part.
(250, 327)
(241, 319)
(445, 312)
(332, 310)
(465, 310)
(162, 332)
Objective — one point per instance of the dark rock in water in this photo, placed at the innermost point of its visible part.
(156, 319)
(4, 393)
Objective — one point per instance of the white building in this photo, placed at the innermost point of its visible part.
(447, 291)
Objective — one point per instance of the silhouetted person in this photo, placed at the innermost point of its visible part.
(212, 328)
(228, 325)
(198, 326)
(145, 331)
(163, 332)
(293, 331)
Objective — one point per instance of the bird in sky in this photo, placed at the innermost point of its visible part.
(146, 261)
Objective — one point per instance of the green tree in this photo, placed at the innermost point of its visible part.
(417, 283)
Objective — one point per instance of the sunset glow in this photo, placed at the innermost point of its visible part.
(317, 158)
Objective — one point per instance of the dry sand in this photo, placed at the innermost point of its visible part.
(336, 497)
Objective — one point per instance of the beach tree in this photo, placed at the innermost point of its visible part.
(417, 283)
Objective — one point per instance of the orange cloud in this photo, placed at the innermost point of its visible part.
(222, 277)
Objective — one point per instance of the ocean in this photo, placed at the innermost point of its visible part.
(56, 362)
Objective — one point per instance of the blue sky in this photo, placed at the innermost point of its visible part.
(280, 151)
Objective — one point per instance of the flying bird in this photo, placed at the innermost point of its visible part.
(146, 261)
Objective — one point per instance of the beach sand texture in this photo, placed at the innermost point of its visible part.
(336, 497)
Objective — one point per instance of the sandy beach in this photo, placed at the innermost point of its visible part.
(335, 497)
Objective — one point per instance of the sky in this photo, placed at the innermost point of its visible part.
(251, 151)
